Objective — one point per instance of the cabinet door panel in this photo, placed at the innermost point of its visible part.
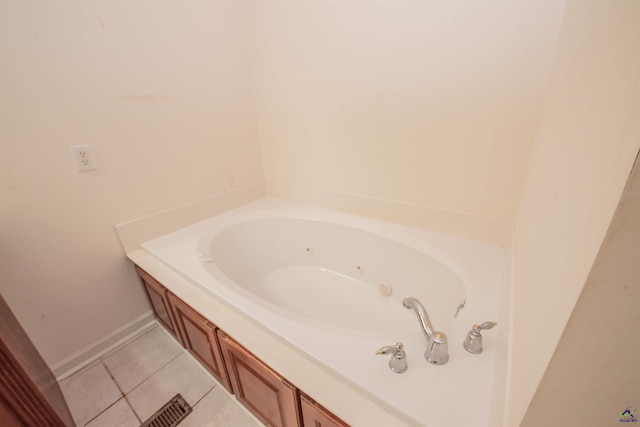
(199, 337)
(265, 393)
(261, 390)
(315, 415)
(157, 295)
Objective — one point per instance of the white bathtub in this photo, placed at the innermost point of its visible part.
(331, 286)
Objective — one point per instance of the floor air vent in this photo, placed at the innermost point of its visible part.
(171, 414)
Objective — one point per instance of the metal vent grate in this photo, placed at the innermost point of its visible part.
(171, 414)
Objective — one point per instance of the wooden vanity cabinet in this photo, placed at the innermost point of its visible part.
(200, 338)
(264, 392)
(261, 390)
(159, 300)
(315, 415)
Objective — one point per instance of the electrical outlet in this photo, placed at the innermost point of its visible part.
(84, 157)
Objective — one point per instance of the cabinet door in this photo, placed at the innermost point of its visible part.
(199, 337)
(314, 415)
(261, 390)
(157, 295)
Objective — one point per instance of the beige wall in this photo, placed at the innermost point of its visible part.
(161, 90)
(348, 101)
(430, 103)
(449, 111)
(586, 143)
(594, 369)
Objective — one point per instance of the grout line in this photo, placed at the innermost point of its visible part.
(227, 396)
(206, 373)
(203, 396)
(119, 389)
(182, 350)
(91, 353)
(132, 410)
(124, 395)
(156, 371)
(147, 379)
(103, 411)
(112, 377)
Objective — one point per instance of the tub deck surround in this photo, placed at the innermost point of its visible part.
(250, 260)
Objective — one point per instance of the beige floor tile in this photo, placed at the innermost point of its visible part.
(120, 415)
(89, 392)
(218, 409)
(182, 375)
(138, 360)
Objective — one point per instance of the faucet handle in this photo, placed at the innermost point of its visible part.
(473, 343)
(398, 361)
(485, 325)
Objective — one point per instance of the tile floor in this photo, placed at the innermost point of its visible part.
(124, 388)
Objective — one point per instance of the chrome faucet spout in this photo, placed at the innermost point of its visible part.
(415, 305)
(437, 351)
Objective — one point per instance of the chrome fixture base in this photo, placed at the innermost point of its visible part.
(398, 361)
(437, 350)
(473, 343)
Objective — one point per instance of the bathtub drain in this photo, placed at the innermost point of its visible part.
(385, 289)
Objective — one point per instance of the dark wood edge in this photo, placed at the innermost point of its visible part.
(21, 395)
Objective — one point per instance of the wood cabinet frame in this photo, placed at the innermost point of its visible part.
(270, 397)
(159, 301)
(316, 415)
(200, 339)
(265, 393)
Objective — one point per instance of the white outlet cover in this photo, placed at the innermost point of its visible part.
(84, 157)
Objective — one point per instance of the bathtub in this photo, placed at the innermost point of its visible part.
(330, 286)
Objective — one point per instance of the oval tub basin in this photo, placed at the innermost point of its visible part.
(331, 285)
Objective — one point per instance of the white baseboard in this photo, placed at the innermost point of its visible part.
(104, 345)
